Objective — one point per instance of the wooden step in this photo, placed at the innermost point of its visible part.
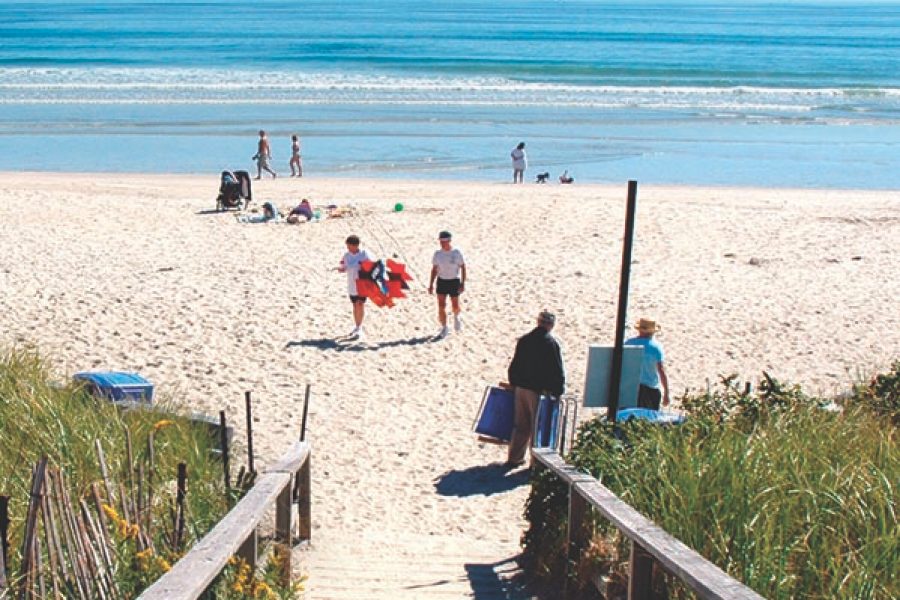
(412, 568)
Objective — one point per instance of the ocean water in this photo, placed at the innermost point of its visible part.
(787, 93)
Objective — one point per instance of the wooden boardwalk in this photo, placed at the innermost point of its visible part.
(399, 566)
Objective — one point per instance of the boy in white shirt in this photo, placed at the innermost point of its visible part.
(449, 268)
(350, 263)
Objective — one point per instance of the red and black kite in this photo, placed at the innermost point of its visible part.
(381, 282)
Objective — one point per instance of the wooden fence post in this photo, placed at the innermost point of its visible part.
(29, 555)
(305, 413)
(249, 411)
(640, 574)
(4, 540)
(576, 538)
(223, 443)
(304, 501)
(283, 509)
(248, 551)
(180, 493)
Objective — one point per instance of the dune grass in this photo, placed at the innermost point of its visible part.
(791, 499)
(61, 421)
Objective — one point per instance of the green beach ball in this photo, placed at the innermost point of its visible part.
(398, 207)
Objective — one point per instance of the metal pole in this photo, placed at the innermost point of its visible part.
(615, 378)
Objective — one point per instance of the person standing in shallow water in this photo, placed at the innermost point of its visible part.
(296, 162)
(263, 156)
(519, 162)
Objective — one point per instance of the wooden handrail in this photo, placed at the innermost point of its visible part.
(236, 534)
(649, 542)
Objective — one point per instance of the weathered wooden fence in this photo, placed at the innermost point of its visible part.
(649, 543)
(237, 534)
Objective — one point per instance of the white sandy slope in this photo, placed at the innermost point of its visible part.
(135, 272)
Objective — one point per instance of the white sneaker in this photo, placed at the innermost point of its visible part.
(357, 332)
(457, 323)
(444, 332)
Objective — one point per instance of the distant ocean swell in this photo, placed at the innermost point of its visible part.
(196, 86)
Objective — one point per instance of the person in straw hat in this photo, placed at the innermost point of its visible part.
(654, 383)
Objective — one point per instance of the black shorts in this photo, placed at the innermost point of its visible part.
(448, 287)
(358, 299)
(649, 397)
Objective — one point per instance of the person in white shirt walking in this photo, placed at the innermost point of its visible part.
(449, 269)
(350, 264)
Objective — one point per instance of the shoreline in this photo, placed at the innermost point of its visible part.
(331, 180)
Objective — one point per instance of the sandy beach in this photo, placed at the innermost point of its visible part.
(139, 273)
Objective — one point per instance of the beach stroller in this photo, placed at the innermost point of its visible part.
(234, 187)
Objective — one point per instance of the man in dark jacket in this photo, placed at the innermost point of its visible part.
(536, 368)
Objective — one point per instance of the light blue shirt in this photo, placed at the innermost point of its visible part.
(653, 355)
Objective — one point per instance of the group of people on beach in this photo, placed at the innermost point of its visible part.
(520, 163)
(448, 271)
(537, 366)
(263, 156)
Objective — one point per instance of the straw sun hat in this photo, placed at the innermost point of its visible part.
(647, 325)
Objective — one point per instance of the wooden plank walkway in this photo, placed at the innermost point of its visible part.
(400, 566)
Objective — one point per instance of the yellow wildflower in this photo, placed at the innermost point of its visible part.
(163, 423)
(110, 512)
(262, 590)
(162, 564)
(143, 558)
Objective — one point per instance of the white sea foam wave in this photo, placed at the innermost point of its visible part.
(226, 79)
(222, 86)
(397, 102)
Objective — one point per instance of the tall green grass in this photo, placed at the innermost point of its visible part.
(791, 499)
(61, 421)
(40, 416)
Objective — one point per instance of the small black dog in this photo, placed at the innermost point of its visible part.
(542, 177)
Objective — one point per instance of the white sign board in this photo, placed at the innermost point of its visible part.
(599, 369)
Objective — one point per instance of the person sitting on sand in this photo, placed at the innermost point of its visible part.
(270, 214)
(304, 209)
(564, 178)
